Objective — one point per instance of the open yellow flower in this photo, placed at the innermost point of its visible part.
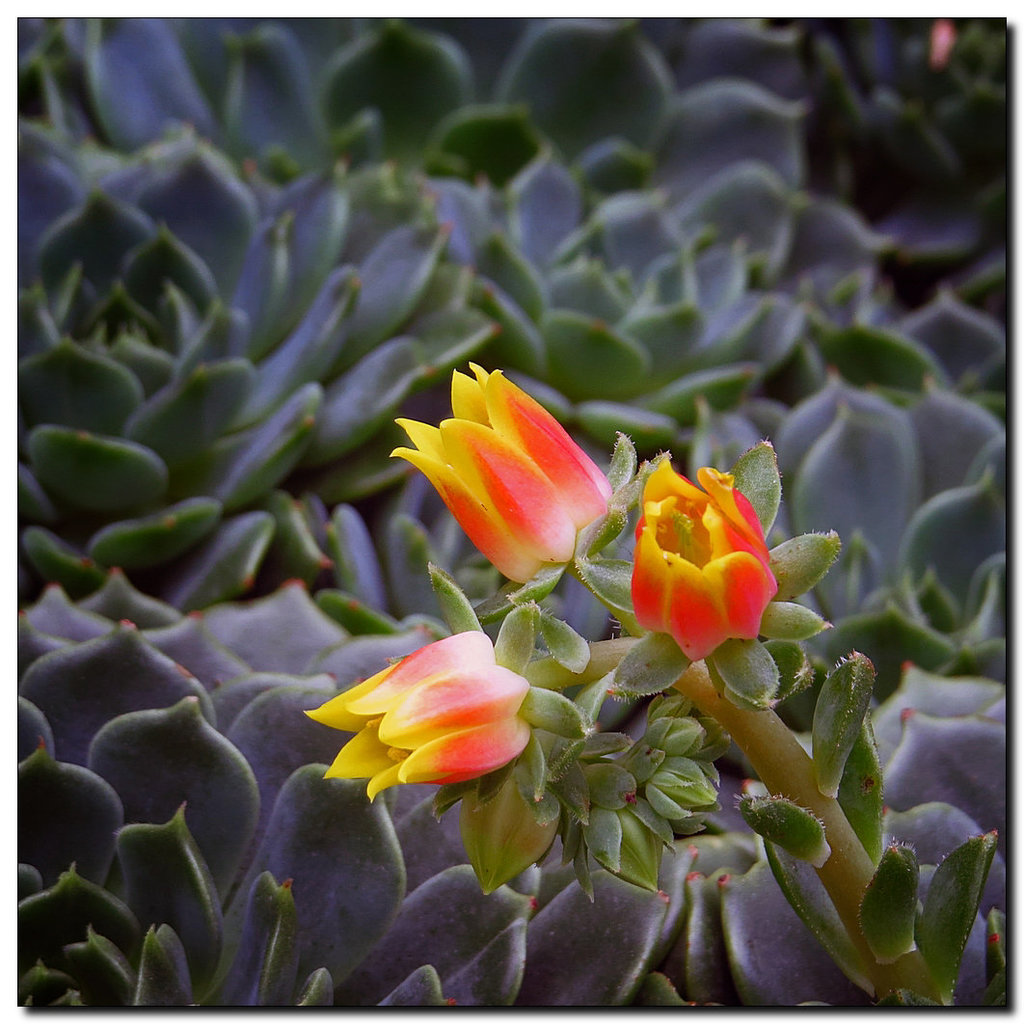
(446, 713)
(700, 569)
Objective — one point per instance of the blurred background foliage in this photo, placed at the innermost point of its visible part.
(245, 245)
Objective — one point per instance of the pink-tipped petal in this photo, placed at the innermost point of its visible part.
(442, 703)
(452, 655)
(467, 754)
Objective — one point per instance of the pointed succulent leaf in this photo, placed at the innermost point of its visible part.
(514, 645)
(321, 830)
(161, 759)
(188, 642)
(318, 989)
(34, 504)
(163, 978)
(71, 686)
(102, 972)
(263, 971)
(352, 615)
(222, 567)
(746, 673)
(356, 565)
(96, 235)
(764, 924)
(394, 279)
(950, 908)
(795, 670)
(167, 881)
(421, 988)
(118, 600)
(33, 729)
(43, 986)
(51, 919)
(867, 355)
(270, 105)
(54, 614)
(567, 647)
(66, 815)
(95, 472)
(476, 943)
(930, 759)
(553, 712)
(363, 398)
(652, 665)
(184, 418)
(411, 76)
(589, 359)
(568, 943)
(712, 125)
(73, 387)
(838, 718)
(889, 905)
(58, 562)
(163, 89)
(295, 553)
(281, 632)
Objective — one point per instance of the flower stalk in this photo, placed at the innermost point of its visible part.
(786, 770)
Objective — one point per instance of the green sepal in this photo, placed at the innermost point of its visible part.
(591, 697)
(785, 620)
(745, 673)
(570, 786)
(610, 581)
(514, 646)
(800, 562)
(795, 670)
(531, 770)
(604, 838)
(756, 477)
(788, 825)
(651, 820)
(640, 853)
(889, 905)
(610, 785)
(652, 665)
(512, 594)
(567, 647)
(860, 791)
(950, 908)
(838, 716)
(455, 606)
(623, 463)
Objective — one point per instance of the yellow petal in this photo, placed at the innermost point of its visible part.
(361, 758)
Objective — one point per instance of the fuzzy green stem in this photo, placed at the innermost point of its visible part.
(605, 655)
(786, 769)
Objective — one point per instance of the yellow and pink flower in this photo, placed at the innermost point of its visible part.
(517, 483)
(701, 566)
(446, 713)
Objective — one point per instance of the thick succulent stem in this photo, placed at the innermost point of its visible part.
(786, 769)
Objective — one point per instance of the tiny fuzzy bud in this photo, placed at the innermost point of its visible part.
(788, 825)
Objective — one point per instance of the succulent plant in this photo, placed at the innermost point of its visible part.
(246, 245)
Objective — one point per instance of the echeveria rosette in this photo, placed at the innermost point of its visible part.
(517, 483)
(701, 568)
(446, 713)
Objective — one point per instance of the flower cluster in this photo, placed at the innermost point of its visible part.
(522, 490)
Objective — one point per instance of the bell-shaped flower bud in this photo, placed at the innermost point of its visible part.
(701, 567)
(446, 713)
(502, 836)
(517, 483)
